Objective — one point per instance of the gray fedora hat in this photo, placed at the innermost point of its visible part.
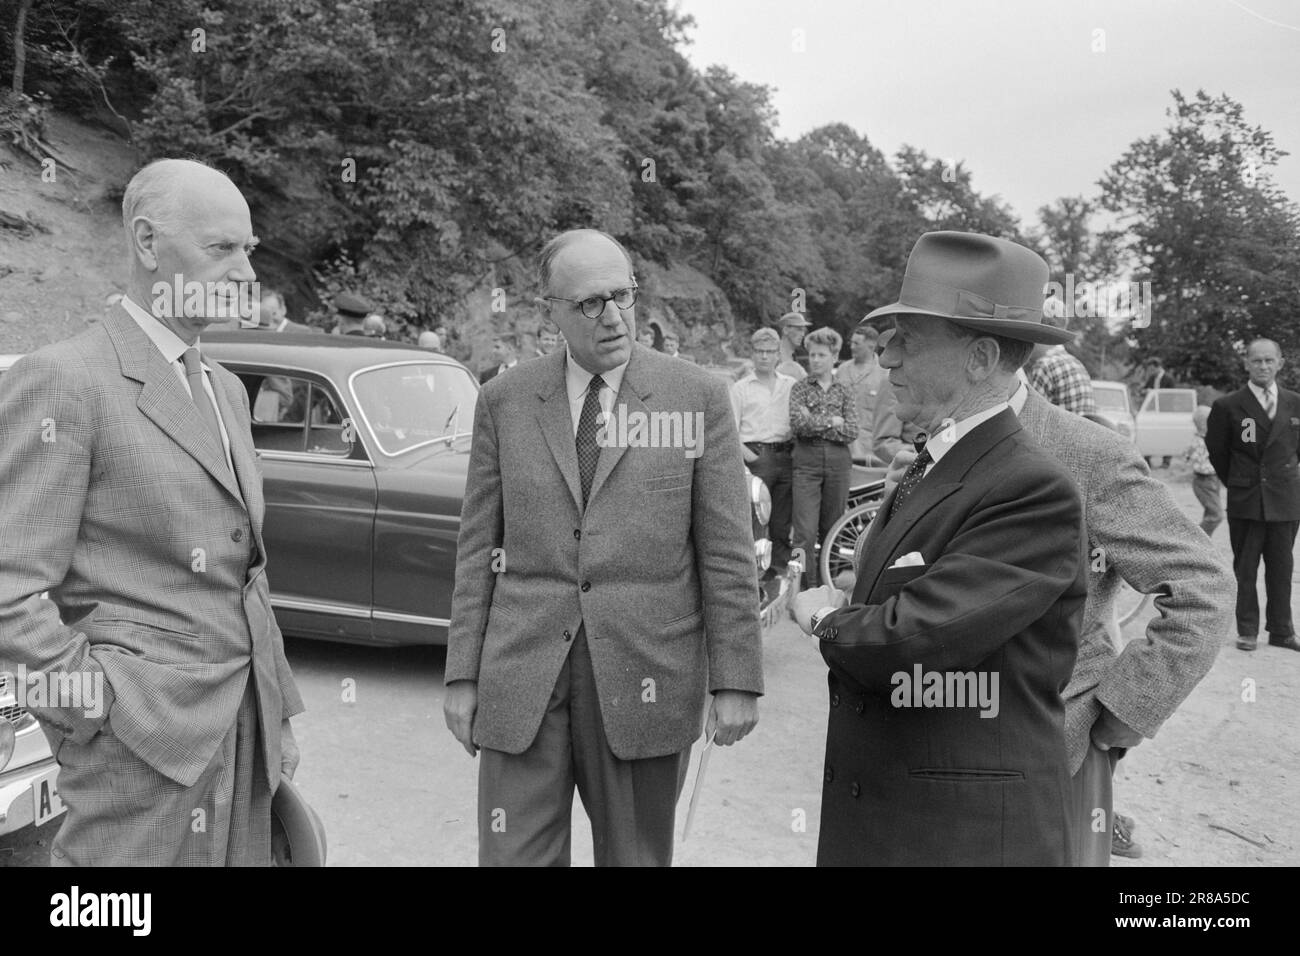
(297, 833)
(979, 282)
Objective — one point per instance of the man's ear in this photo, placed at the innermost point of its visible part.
(983, 358)
(144, 242)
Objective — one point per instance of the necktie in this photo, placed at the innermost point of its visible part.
(912, 477)
(194, 372)
(1268, 404)
(588, 450)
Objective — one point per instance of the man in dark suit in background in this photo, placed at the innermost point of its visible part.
(1252, 437)
(505, 349)
(946, 741)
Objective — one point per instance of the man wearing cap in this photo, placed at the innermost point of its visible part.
(793, 327)
(863, 376)
(133, 495)
(761, 402)
(946, 743)
(352, 311)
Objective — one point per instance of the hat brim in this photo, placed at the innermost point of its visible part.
(302, 828)
(1010, 328)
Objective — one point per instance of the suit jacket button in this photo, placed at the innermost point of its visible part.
(835, 700)
(577, 534)
(237, 534)
(568, 636)
(586, 586)
(859, 707)
(855, 791)
(830, 774)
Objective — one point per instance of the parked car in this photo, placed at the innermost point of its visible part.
(1164, 423)
(1113, 404)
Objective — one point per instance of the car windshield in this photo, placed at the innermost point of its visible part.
(415, 403)
(1111, 399)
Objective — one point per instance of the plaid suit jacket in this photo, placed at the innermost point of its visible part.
(116, 498)
(1136, 533)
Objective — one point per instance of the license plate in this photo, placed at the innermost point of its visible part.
(46, 804)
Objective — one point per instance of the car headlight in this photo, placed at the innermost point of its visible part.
(761, 499)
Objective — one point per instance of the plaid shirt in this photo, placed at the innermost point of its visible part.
(1061, 379)
(812, 408)
(1199, 456)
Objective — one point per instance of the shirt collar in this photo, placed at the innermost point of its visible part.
(167, 341)
(942, 442)
(1018, 398)
(577, 379)
(1260, 393)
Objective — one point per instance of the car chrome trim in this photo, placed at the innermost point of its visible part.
(311, 458)
(320, 607)
(412, 618)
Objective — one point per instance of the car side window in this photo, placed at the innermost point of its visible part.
(298, 415)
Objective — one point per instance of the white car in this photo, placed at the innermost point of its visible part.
(1164, 423)
(1112, 403)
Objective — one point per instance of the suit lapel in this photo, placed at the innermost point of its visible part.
(1263, 427)
(164, 401)
(943, 479)
(242, 452)
(556, 424)
(631, 394)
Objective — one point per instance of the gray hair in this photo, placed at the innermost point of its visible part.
(155, 193)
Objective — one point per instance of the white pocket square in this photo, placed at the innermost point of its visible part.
(912, 559)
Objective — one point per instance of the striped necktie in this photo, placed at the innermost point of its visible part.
(1269, 404)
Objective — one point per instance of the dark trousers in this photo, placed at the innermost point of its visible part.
(525, 801)
(822, 472)
(1091, 808)
(773, 467)
(1206, 488)
(1273, 541)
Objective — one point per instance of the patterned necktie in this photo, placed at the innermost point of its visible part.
(1268, 404)
(588, 450)
(912, 477)
(194, 372)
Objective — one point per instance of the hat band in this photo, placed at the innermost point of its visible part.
(929, 296)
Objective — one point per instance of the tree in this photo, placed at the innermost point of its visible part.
(1217, 238)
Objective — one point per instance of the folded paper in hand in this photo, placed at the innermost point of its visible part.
(912, 559)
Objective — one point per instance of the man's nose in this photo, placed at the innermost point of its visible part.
(243, 270)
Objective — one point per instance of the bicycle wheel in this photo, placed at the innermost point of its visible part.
(839, 549)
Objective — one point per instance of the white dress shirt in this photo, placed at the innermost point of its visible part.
(762, 414)
(576, 381)
(172, 348)
(942, 441)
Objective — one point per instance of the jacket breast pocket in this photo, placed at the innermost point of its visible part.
(661, 483)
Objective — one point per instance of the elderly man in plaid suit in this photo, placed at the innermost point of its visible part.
(131, 493)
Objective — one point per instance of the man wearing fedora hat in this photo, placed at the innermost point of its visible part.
(945, 742)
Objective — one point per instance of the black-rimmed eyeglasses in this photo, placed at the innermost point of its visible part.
(593, 307)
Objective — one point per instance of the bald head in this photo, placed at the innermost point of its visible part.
(162, 190)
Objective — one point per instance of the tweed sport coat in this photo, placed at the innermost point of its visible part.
(1261, 474)
(998, 523)
(116, 498)
(659, 567)
(1136, 533)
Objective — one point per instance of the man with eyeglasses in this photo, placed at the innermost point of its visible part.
(761, 403)
(604, 579)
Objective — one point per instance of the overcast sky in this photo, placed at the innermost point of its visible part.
(1011, 88)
